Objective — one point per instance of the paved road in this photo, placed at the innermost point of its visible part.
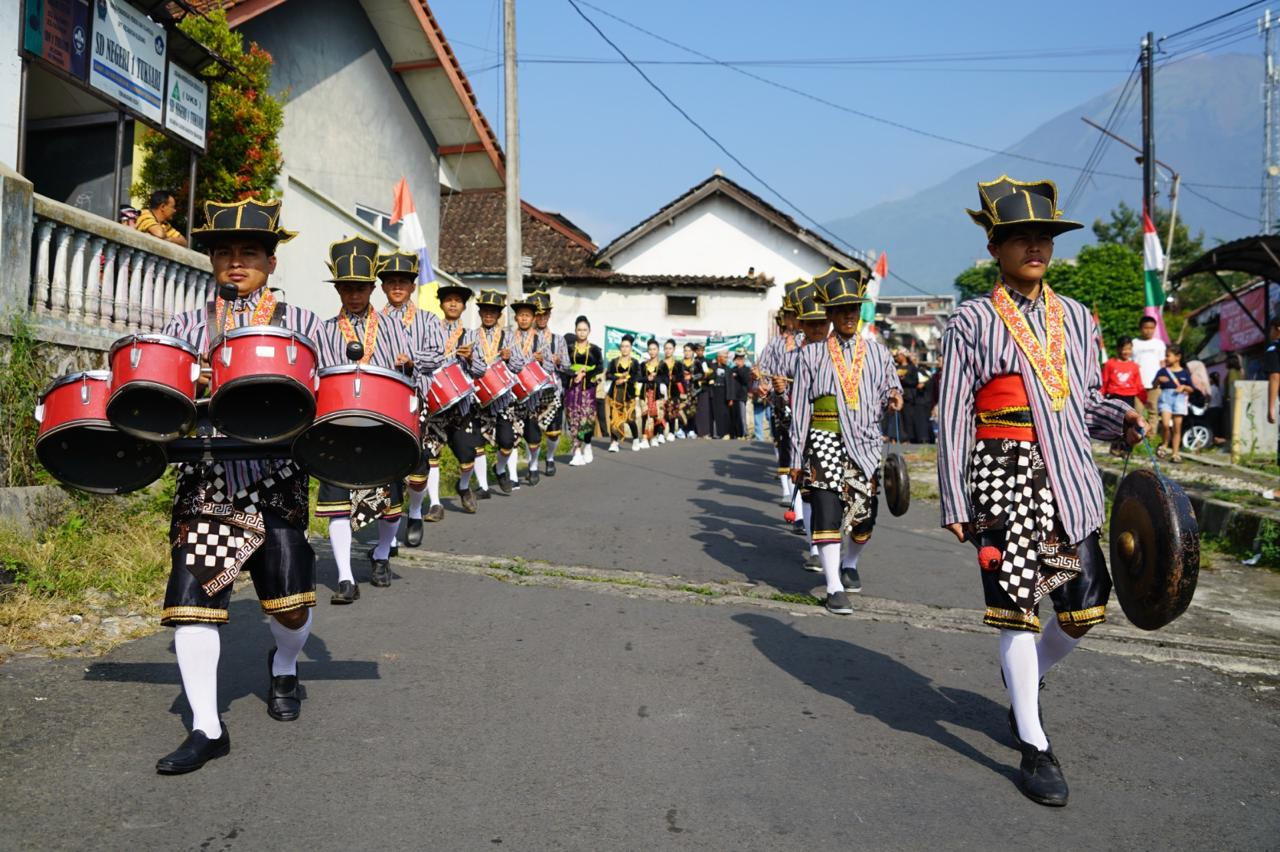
(455, 711)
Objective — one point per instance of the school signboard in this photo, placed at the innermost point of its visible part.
(127, 58)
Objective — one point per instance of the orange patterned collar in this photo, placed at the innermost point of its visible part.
(1048, 359)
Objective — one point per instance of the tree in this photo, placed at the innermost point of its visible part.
(1106, 278)
(244, 122)
(977, 280)
(1125, 228)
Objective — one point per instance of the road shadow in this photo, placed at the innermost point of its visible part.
(879, 686)
(751, 544)
(242, 664)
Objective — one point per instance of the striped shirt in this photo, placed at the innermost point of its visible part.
(426, 341)
(389, 343)
(193, 327)
(497, 339)
(977, 348)
(474, 365)
(534, 342)
(815, 376)
(775, 353)
(558, 364)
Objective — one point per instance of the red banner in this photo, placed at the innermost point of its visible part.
(1239, 329)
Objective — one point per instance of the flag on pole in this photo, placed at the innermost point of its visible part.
(1152, 264)
(412, 239)
(868, 316)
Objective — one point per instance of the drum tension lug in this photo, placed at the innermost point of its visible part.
(135, 356)
(291, 352)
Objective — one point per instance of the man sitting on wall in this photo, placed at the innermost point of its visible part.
(161, 207)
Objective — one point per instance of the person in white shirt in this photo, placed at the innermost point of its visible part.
(1149, 354)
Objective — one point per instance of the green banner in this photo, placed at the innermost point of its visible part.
(613, 336)
(731, 344)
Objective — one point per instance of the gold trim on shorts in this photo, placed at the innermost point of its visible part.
(202, 614)
(1011, 619)
(302, 599)
(1084, 617)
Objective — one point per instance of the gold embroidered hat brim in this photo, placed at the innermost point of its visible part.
(444, 290)
(397, 263)
(249, 218)
(1007, 204)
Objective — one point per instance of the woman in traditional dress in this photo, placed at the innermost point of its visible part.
(586, 363)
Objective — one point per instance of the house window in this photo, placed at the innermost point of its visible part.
(907, 311)
(682, 306)
(379, 220)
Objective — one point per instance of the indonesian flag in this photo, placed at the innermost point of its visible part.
(412, 239)
(868, 316)
(1152, 266)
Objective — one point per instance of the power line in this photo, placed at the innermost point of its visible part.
(1223, 207)
(1212, 20)
(806, 65)
(1100, 144)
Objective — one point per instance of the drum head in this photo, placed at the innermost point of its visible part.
(357, 456)
(262, 409)
(151, 411)
(100, 459)
(1155, 549)
(897, 484)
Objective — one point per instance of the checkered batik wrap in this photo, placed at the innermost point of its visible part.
(547, 406)
(216, 532)
(368, 504)
(1009, 491)
(829, 468)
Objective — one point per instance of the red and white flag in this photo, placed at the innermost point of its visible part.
(412, 239)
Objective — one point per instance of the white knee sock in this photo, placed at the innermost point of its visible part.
(806, 513)
(534, 453)
(340, 540)
(464, 478)
(433, 485)
(386, 538)
(1054, 644)
(800, 507)
(482, 472)
(830, 556)
(198, 647)
(1022, 679)
(415, 503)
(288, 645)
(785, 481)
(513, 464)
(852, 550)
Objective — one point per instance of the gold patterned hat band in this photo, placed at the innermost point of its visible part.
(250, 218)
(397, 263)
(491, 299)
(1006, 203)
(353, 260)
(838, 288)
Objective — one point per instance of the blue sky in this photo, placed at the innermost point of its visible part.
(602, 147)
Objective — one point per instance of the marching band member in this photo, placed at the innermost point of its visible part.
(527, 345)
(461, 423)
(842, 388)
(493, 344)
(353, 264)
(399, 274)
(624, 388)
(270, 496)
(767, 366)
(557, 365)
(586, 365)
(815, 328)
(1020, 399)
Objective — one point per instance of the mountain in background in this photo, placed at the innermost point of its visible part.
(1208, 121)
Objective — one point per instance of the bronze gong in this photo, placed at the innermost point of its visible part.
(897, 484)
(1155, 549)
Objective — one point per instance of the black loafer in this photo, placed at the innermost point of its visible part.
(284, 701)
(468, 500)
(381, 574)
(434, 514)
(504, 483)
(196, 750)
(798, 528)
(533, 476)
(483, 494)
(348, 592)
(413, 532)
(551, 468)
(1041, 778)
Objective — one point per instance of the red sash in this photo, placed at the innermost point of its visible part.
(1002, 403)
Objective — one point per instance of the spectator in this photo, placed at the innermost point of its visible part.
(909, 377)
(1122, 380)
(740, 382)
(1271, 369)
(720, 420)
(932, 389)
(919, 411)
(1174, 382)
(161, 207)
(1217, 416)
(1148, 354)
(1234, 373)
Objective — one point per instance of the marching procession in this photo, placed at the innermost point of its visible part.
(250, 398)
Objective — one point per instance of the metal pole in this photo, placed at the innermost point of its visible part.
(21, 157)
(1270, 169)
(191, 195)
(1173, 221)
(515, 272)
(117, 177)
(1148, 132)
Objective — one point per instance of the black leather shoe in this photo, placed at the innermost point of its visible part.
(468, 500)
(551, 468)
(283, 698)
(504, 483)
(434, 514)
(413, 532)
(381, 574)
(533, 476)
(798, 528)
(395, 551)
(483, 494)
(348, 592)
(196, 750)
(1041, 778)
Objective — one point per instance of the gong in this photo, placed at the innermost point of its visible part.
(1155, 549)
(897, 484)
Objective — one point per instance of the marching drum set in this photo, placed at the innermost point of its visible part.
(354, 425)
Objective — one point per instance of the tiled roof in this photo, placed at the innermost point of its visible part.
(473, 238)
(740, 282)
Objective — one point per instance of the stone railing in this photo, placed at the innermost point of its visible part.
(95, 279)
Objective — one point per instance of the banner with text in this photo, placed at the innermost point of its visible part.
(731, 344)
(613, 337)
(57, 31)
(187, 107)
(128, 58)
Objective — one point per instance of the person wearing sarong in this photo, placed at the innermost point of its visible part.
(586, 365)
(624, 384)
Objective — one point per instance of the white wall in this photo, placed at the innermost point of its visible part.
(10, 80)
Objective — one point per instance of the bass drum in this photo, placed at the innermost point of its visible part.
(1155, 549)
(82, 449)
(263, 383)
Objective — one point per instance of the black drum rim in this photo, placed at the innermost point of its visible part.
(304, 392)
(117, 397)
(302, 455)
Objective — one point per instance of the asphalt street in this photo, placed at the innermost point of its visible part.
(466, 709)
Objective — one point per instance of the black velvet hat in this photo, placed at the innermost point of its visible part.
(805, 299)
(353, 260)
(491, 299)
(837, 288)
(1007, 202)
(248, 218)
(398, 263)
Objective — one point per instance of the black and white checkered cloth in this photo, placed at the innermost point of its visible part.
(1009, 490)
(831, 469)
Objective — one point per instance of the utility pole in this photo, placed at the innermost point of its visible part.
(1148, 131)
(1270, 143)
(515, 269)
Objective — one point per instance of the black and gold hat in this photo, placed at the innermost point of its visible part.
(444, 289)
(397, 263)
(806, 301)
(353, 260)
(543, 300)
(247, 218)
(529, 300)
(837, 288)
(1007, 202)
(491, 299)
(788, 294)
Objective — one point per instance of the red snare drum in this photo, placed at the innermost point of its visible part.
(496, 383)
(530, 381)
(366, 429)
(449, 386)
(263, 383)
(79, 446)
(153, 386)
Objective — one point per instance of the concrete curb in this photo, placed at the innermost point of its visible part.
(1231, 521)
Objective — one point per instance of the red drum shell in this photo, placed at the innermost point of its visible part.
(450, 385)
(263, 383)
(496, 383)
(79, 446)
(153, 386)
(531, 380)
(366, 430)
